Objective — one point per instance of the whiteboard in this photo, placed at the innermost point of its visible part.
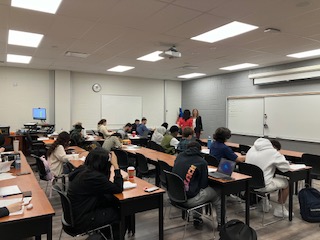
(119, 109)
(293, 117)
(245, 116)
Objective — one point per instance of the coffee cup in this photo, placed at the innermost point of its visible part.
(16, 145)
(133, 133)
(131, 172)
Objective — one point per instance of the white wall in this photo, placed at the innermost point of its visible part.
(21, 90)
(68, 97)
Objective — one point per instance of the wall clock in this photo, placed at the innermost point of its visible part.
(96, 87)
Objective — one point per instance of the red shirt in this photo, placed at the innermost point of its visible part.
(185, 123)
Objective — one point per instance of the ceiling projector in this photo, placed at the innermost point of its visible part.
(171, 53)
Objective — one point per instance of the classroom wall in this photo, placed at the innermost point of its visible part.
(209, 96)
(68, 97)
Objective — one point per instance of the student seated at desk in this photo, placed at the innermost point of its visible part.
(170, 142)
(193, 169)
(114, 141)
(265, 154)
(142, 130)
(158, 135)
(125, 130)
(102, 128)
(219, 149)
(187, 135)
(91, 192)
(14, 207)
(57, 155)
(2, 141)
(135, 125)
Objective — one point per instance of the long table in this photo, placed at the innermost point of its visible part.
(135, 200)
(34, 222)
(240, 182)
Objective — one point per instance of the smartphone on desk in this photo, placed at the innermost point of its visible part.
(151, 189)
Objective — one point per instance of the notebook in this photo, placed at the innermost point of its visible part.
(225, 169)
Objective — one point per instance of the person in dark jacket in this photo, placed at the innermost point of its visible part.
(91, 191)
(193, 169)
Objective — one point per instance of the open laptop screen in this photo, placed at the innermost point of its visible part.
(226, 166)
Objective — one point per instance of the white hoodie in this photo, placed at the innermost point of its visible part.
(265, 156)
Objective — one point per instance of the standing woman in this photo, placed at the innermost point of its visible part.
(57, 155)
(102, 128)
(185, 120)
(197, 123)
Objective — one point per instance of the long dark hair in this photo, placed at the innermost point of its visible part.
(98, 160)
(63, 139)
(186, 114)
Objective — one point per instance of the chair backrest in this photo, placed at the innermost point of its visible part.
(244, 148)
(123, 159)
(41, 168)
(142, 164)
(201, 143)
(67, 217)
(211, 160)
(163, 166)
(257, 180)
(100, 134)
(175, 188)
(313, 161)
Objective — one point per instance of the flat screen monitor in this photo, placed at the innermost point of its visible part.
(39, 114)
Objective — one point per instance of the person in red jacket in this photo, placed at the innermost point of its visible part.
(186, 120)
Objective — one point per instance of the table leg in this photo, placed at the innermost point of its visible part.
(122, 225)
(247, 204)
(223, 207)
(161, 217)
(290, 199)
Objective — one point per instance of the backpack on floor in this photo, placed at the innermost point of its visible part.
(237, 230)
(309, 200)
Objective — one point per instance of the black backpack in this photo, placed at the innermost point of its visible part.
(237, 230)
(309, 200)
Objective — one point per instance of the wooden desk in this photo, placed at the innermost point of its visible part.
(34, 222)
(136, 200)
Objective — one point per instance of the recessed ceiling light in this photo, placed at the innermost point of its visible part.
(48, 6)
(25, 39)
(120, 68)
(18, 58)
(151, 57)
(305, 54)
(239, 66)
(226, 31)
(76, 54)
(191, 75)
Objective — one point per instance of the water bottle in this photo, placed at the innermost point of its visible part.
(17, 162)
(209, 142)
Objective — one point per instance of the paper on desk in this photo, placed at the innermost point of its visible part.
(6, 202)
(297, 166)
(132, 147)
(128, 185)
(5, 166)
(9, 190)
(212, 170)
(205, 150)
(6, 176)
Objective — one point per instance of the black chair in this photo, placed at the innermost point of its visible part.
(143, 168)
(153, 145)
(211, 160)
(123, 159)
(256, 183)
(67, 219)
(313, 161)
(163, 166)
(35, 147)
(177, 196)
(100, 134)
(244, 149)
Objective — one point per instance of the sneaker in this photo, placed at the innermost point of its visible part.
(197, 223)
(233, 198)
(278, 212)
(265, 205)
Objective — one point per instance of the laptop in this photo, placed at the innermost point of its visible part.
(225, 169)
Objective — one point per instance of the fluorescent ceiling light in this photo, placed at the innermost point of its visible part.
(48, 6)
(76, 54)
(18, 58)
(25, 39)
(305, 54)
(151, 57)
(226, 31)
(191, 75)
(120, 68)
(239, 66)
